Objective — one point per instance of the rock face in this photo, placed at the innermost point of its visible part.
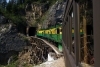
(11, 41)
(33, 12)
(3, 19)
(55, 15)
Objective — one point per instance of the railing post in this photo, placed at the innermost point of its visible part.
(76, 30)
(96, 31)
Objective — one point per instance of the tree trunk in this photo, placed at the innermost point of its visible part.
(85, 40)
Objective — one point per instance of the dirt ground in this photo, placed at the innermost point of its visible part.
(55, 63)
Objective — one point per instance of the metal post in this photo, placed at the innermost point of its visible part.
(96, 29)
(66, 30)
(70, 33)
(76, 31)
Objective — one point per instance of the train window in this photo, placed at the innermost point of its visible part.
(58, 31)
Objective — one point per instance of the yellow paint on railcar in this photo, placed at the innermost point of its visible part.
(72, 30)
(80, 30)
(60, 30)
(53, 31)
(40, 31)
(47, 32)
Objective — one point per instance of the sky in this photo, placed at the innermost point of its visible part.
(7, 1)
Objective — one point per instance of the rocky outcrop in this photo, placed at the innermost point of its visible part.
(33, 12)
(3, 19)
(11, 40)
(55, 15)
(5, 28)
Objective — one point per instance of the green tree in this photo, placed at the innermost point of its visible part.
(9, 7)
(4, 3)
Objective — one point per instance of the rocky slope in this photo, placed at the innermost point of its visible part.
(35, 11)
(55, 15)
(11, 40)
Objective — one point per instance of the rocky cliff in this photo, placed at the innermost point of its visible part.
(33, 12)
(55, 15)
(11, 40)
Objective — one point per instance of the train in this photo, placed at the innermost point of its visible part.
(54, 34)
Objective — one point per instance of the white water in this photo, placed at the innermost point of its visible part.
(50, 57)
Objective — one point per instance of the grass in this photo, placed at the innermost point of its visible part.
(16, 64)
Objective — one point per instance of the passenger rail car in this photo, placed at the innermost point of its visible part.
(54, 34)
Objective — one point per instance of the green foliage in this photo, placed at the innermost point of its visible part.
(41, 1)
(16, 64)
(13, 63)
(26, 65)
(28, 1)
(9, 7)
(14, 12)
(24, 38)
(41, 20)
(1, 66)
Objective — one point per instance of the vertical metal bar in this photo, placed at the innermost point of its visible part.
(67, 33)
(70, 33)
(76, 32)
(64, 33)
(96, 25)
